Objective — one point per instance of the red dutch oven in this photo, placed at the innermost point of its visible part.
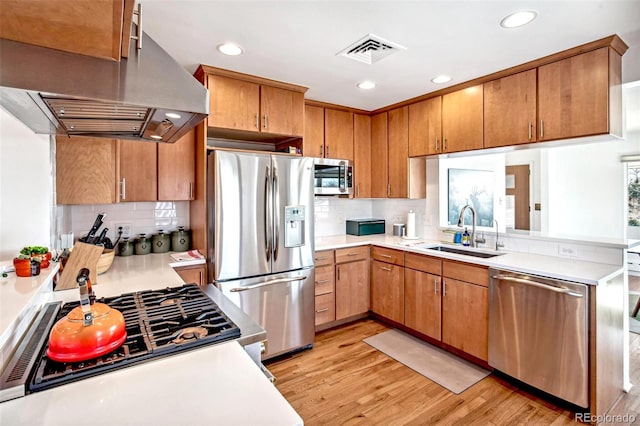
(88, 331)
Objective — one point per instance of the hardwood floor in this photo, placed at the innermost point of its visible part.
(342, 380)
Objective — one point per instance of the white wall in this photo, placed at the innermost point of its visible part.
(26, 187)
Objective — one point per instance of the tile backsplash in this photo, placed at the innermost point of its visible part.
(144, 217)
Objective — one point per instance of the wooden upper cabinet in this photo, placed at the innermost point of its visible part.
(92, 28)
(338, 134)
(313, 141)
(362, 155)
(86, 170)
(425, 127)
(510, 110)
(398, 152)
(575, 96)
(282, 111)
(138, 171)
(379, 173)
(233, 103)
(462, 117)
(176, 168)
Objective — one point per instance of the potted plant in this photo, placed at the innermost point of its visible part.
(27, 265)
(38, 251)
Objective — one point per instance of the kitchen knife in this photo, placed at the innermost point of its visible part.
(94, 228)
(100, 238)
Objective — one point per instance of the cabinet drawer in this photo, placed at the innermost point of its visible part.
(388, 255)
(352, 253)
(465, 272)
(430, 265)
(325, 257)
(325, 308)
(325, 280)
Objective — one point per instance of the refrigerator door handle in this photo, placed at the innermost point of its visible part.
(270, 282)
(267, 214)
(276, 212)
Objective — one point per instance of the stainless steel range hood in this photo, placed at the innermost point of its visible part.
(147, 96)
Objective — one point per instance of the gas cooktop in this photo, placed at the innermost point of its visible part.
(158, 323)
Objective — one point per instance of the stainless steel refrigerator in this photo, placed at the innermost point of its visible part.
(260, 225)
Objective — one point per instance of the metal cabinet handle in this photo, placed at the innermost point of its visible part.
(266, 123)
(530, 130)
(435, 286)
(544, 286)
(191, 190)
(270, 282)
(322, 281)
(319, 311)
(444, 144)
(541, 128)
(321, 151)
(123, 189)
(384, 268)
(322, 258)
(202, 278)
(385, 255)
(328, 151)
(257, 121)
(352, 254)
(444, 288)
(437, 145)
(338, 271)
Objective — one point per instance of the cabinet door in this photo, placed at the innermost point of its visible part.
(338, 134)
(138, 171)
(325, 280)
(86, 170)
(574, 96)
(313, 141)
(465, 317)
(462, 117)
(510, 110)
(379, 172)
(425, 127)
(387, 290)
(422, 307)
(398, 152)
(192, 274)
(233, 104)
(176, 168)
(362, 155)
(352, 289)
(282, 111)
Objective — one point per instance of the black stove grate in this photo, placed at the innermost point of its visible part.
(158, 323)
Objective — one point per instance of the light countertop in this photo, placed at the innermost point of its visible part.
(548, 266)
(207, 385)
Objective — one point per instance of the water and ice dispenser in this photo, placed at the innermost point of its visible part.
(294, 217)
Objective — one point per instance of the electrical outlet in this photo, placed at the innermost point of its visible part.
(127, 229)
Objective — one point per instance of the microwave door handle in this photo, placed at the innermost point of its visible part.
(342, 176)
(276, 213)
(267, 213)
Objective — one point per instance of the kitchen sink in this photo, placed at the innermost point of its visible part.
(466, 252)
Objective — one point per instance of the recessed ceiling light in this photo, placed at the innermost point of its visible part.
(441, 79)
(366, 85)
(518, 19)
(229, 49)
(172, 115)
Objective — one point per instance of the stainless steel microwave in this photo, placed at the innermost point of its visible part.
(332, 177)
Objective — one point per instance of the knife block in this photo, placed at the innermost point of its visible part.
(82, 256)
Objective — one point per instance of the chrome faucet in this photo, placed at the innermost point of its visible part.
(473, 221)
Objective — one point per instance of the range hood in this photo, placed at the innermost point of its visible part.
(147, 96)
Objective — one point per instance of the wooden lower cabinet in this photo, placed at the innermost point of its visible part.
(387, 290)
(325, 310)
(465, 317)
(193, 274)
(352, 289)
(422, 309)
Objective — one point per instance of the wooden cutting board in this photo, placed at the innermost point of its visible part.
(82, 256)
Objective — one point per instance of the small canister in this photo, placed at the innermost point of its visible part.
(143, 245)
(398, 229)
(125, 247)
(180, 239)
(160, 242)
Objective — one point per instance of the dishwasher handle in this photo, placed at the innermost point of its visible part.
(562, 290)
(270, 282)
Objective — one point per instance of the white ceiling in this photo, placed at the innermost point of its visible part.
(296, 41)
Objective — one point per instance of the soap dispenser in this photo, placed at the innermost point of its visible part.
(466, 238)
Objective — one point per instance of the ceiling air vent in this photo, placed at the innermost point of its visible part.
(370, 49)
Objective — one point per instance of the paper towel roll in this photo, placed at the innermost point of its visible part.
(411, 224)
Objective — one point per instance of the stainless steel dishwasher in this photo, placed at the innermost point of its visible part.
(538, 333)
